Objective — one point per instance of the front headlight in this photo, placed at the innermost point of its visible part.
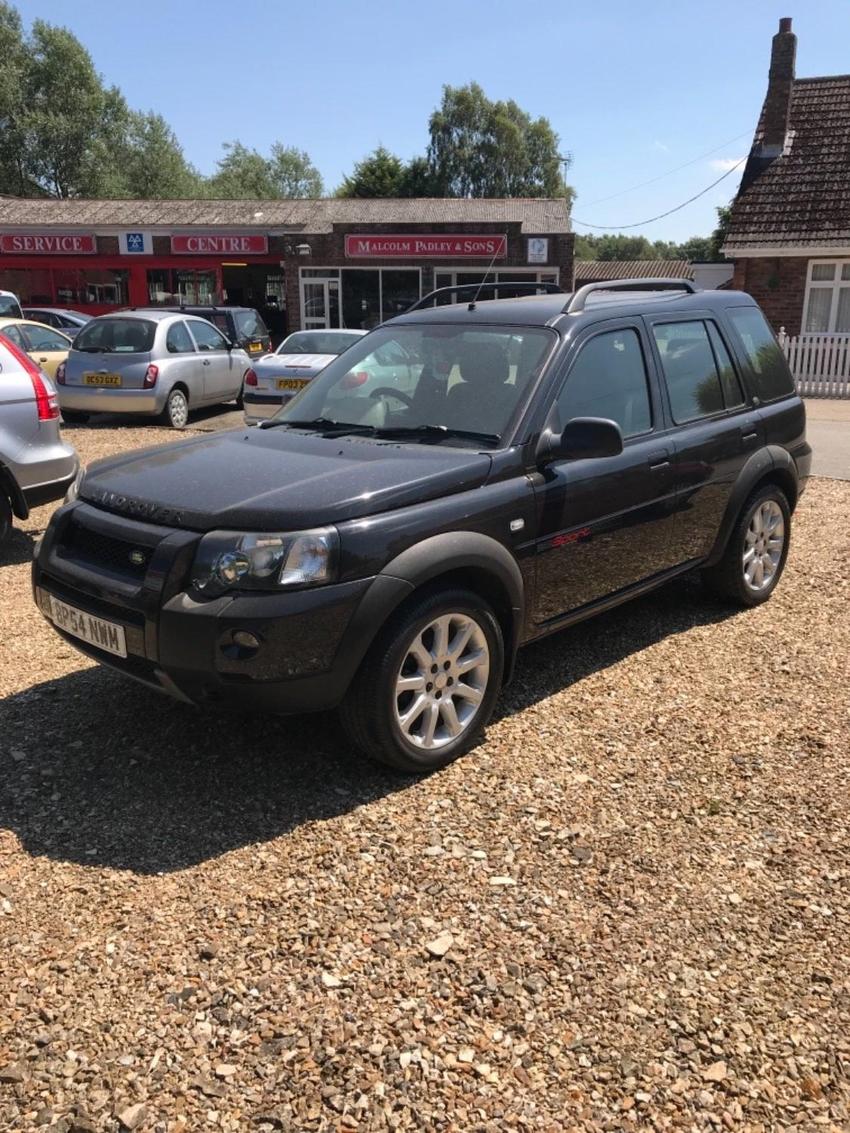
(230, 560)
(74, 489)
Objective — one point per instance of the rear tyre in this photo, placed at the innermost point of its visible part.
(176, 412)
(755, 555)
(5, 517)
(74, 416)
(429, 683)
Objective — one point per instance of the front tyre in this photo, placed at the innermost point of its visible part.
(176, 412)
(755, 555)
(429, 683)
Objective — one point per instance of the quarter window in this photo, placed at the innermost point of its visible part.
(178, 340)
(206, 336)
(14, 335)
(690, 371)
(608, 379)
(770, 375)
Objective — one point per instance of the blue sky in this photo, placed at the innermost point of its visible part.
(634, 90)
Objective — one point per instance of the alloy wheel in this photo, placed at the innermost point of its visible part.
(442, 681)
(763, 545)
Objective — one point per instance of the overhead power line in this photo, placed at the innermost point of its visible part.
(661, 215)
(669, 173)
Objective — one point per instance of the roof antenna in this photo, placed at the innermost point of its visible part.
(471, 306)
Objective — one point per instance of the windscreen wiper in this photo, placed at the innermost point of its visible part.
(322, 425)
(435, 432)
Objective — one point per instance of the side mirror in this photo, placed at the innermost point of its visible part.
(583, 438)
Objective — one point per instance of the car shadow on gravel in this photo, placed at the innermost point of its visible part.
(97, 770)
(18, 548)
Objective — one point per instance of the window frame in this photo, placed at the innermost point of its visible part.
(836, 285)
(656, 413)
(704, 317)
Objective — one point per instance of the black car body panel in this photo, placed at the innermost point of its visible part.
(546, 541)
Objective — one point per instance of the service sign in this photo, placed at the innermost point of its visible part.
(48, 244)
(219, 244)
(427, 246)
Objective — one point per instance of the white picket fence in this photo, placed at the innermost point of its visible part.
(820, 363)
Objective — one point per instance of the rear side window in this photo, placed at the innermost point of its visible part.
(178, 340)
(771, 377)
(608, 379)
(42, 338)
(116, 336)
(206, 336)
(10, 307)
(14, 335)
(250, 325)
(690, 371)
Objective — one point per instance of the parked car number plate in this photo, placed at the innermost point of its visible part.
(291, 383)
(255, 347)
(101, 379)
(96, 631)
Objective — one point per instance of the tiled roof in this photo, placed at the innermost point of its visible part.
(803, 196)
(536, 215)
(589, 271)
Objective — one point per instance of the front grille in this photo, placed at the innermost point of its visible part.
(103, 608)
(105, 552)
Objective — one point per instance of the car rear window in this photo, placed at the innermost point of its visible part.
(10, 307)
(116, 336)
(770, 375)
(250, 325)
(317, 342)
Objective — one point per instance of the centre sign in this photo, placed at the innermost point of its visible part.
(216, 244)
(427, 246)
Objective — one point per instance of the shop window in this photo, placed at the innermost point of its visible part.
(75, 286)
(172, 287)
(399, 290)
(31, 285)
(361, 299)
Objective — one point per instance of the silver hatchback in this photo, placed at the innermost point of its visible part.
(36, 465)
(148, 361)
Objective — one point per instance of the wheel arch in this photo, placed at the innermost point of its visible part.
(12, 490)
(771, 465)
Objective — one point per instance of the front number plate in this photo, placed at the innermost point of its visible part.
(96, 631)
(291, 383)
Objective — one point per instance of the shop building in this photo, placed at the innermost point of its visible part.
(319, 263)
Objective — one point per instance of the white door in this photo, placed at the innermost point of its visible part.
(320, 304)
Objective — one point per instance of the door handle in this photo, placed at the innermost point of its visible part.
(749, 438)
(45, 359)
(660, 460)
(206, 361)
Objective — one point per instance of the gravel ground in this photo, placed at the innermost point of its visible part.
(629, 909)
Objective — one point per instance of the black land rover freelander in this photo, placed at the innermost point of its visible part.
(387, 548)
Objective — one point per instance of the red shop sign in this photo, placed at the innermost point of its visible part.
(44, 244)
(427, 246)
(219, 244)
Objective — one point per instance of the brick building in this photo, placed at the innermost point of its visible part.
(790, 230)
(327, 263)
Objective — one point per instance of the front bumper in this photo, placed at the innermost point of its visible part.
(311, 640)
(92, 399)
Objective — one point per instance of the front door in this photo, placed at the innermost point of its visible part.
(608, 523)
(222, 377)
(320, 304)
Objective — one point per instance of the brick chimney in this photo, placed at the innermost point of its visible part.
(777, 104)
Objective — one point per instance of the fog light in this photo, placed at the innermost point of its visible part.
(245, 639)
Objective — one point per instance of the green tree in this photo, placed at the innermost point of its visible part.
(154, 166)
(480, 148)
(718, 236)
(379, 174)
(244, 174)
(14, 173)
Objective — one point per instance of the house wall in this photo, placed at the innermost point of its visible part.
(778, 285)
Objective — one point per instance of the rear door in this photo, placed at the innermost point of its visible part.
(715, 429)
(222, 375)
(606, 524)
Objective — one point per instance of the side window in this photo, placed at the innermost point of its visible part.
(206, 336)
(733, 394)
(608, 379)
(178, 340)
(770, 374)
(15, 334)
(689, 370)
(43, 339)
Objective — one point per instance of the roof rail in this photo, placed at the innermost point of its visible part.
(655, 283)
(548, 288)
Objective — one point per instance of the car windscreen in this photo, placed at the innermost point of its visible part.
(116, 336)
(317, 342)
(10, 308)
(428, 376)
